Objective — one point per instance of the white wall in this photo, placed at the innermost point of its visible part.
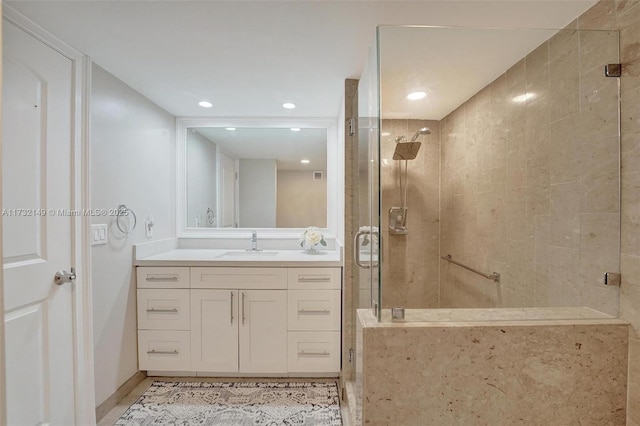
(301, 200)
(132, 163)
(257, 193)
(201, 178)
(341, 182)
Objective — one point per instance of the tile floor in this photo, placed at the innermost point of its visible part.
(112, 416)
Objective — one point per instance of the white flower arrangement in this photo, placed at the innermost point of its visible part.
(311, 237)
(371, 235)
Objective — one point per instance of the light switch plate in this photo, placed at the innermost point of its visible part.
(148, 227)
(99, 234)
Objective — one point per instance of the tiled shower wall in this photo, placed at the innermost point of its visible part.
(530, 188)
(410, 262)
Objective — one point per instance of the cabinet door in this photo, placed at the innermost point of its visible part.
(263, 331)
(214, 330)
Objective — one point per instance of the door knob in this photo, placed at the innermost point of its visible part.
(63, 276)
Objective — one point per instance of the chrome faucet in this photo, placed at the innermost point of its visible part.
(254, 241)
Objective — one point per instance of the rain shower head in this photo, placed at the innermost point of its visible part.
(423, 131)
(406, 150)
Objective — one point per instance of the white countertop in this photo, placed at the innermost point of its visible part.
(225, 257)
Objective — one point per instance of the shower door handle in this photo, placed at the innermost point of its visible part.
(356, 249)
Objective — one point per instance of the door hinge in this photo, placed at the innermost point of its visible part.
(350, 355)
(613, 70)
(352, 126)
(612, 278)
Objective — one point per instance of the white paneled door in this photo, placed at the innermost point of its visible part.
(37, 133)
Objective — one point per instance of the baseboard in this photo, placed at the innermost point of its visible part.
(124, 390)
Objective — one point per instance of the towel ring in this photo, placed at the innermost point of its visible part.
(125, 211)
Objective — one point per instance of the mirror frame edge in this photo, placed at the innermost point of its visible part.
(184, 123)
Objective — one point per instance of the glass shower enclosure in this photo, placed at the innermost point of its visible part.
(510, 199)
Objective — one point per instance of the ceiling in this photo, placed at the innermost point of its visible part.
(284, 145)
(248, 57)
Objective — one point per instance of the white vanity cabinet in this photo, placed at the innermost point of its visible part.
(239, 320)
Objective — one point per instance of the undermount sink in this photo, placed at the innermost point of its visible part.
(248, 253)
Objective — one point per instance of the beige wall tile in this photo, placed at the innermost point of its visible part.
(598, 48)
(564, 75)
(630, 50)
(564, 164)
(599, 246)
(630, 214)
(565, 211)
(564, 267)
(601, 16)
(633, 398)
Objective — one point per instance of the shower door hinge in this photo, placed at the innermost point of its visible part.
(612, 278)
(352, 126)
(613, 70)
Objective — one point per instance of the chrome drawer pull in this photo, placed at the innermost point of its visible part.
(314, 312)
(243, 317)
(155, 311)
(302, 279)
(323, 353)
(162, 279)
(154, 352)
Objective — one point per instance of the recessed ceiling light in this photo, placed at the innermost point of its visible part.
(205, 104)
(523, 98)
(288, 105)
(385, 134)
(305, 161)
(295, 129)
(415, 96)
(230, 128)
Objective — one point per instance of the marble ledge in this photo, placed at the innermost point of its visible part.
(486, 317)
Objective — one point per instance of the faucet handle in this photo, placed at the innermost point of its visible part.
(254, 234)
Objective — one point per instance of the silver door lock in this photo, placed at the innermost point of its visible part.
(63, 276)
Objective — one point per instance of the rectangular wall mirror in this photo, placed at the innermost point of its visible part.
(271, 175)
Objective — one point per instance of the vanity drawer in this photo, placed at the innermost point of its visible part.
(164, 350)
(314, 310)
(162, 277)
(163, 309)
(314, 278)
(239, 278)
(314, 352)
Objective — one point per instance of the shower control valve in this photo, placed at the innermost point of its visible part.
(398, 221)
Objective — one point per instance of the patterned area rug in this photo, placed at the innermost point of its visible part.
(237, 404)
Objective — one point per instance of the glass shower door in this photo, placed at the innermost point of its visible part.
(367, 240)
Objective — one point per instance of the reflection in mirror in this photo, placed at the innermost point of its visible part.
(250, 177)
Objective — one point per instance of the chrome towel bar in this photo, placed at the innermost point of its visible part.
(493, 276)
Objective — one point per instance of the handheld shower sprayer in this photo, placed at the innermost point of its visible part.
(422, 131)
(405, 150)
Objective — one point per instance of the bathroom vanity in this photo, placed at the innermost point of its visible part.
(236, 313)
